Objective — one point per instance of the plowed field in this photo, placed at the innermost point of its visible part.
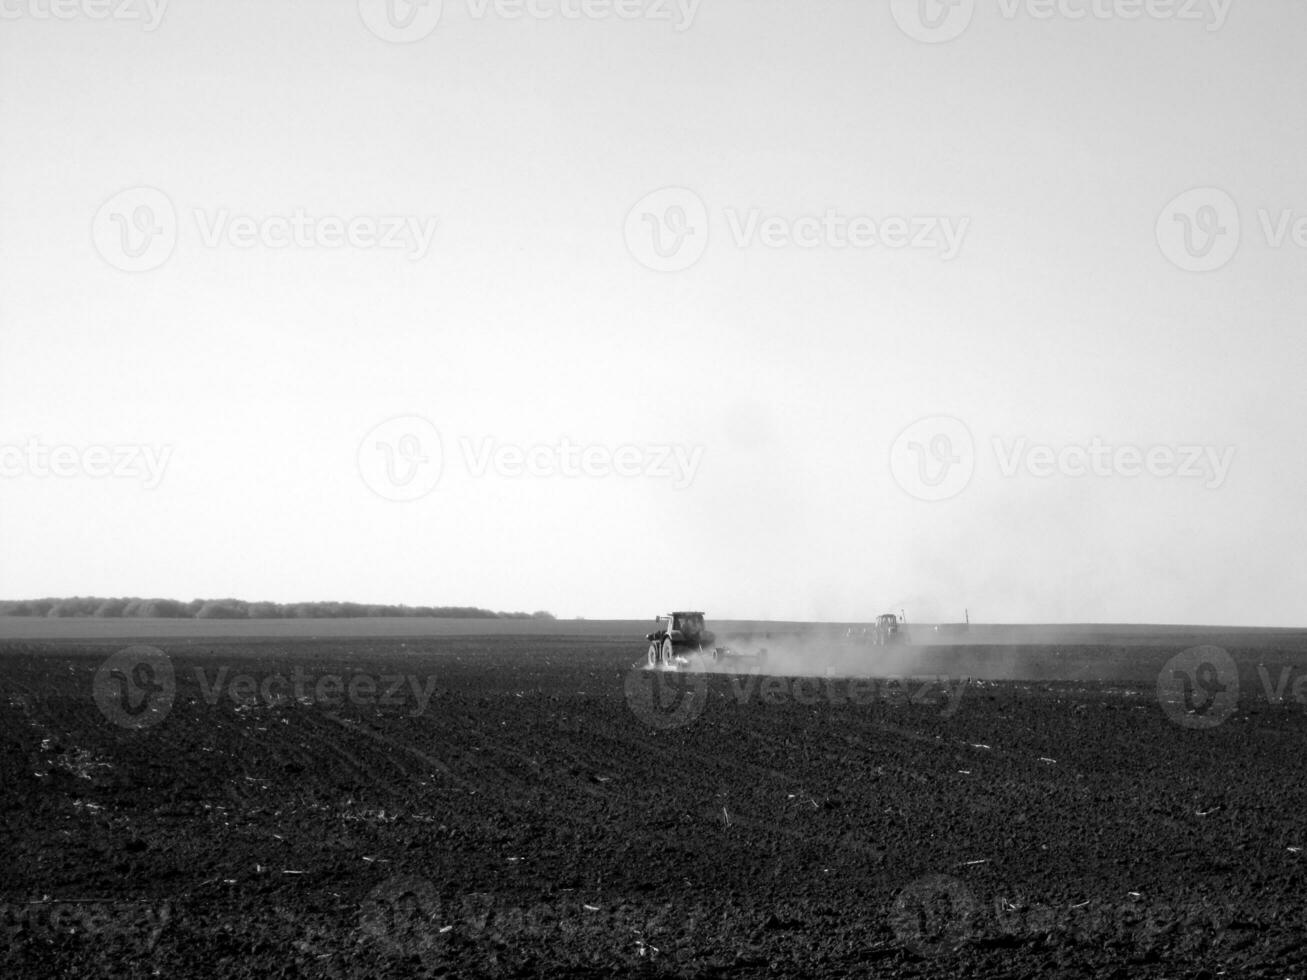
(524, 806)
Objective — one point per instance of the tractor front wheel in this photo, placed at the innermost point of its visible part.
(653, 654)
(669, 655)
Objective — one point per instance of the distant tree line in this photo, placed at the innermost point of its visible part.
(239, 609)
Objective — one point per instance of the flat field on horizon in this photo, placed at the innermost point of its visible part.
(92, 628)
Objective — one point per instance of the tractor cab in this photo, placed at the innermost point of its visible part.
(687, 626)
(680, 627)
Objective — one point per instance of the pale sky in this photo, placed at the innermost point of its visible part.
(727, 425)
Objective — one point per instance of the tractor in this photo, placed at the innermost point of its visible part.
(680, 635)
(889, 629)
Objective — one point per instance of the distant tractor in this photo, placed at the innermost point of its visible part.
(889, 629)
(680, 635)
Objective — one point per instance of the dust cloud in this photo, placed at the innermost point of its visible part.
(799, 655)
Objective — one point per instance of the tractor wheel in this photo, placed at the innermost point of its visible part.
(653, 654)
(669, 655)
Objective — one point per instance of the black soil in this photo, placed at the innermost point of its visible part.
(548, 813)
